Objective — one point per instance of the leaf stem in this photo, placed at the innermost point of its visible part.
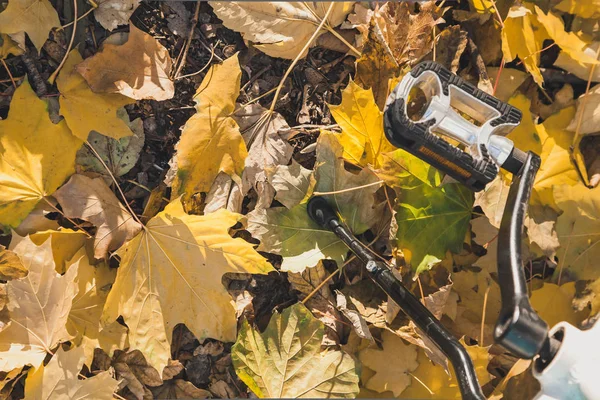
(193, 23)
(12, 79)
(348, 189)
(55, 73)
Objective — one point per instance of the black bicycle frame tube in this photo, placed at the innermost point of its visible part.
(322, 213)
(519, 328)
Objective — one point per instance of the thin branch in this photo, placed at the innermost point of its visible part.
(9, 74)
(212, 55)
(55, 73)
(189, 39)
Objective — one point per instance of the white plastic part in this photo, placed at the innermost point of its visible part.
(573, 373)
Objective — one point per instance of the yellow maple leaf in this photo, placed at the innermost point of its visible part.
(60, 379)
(171, 273)
(36, 17)
(36, 156)
(569, 42)
(139, 69)
(522, 36)
(65, 243)
(578, 229)
(584, 9)
(94, 282)
(85, 110)
(435, 383)
(394, 377)
(39, 305)
(280, 29)
(211, 141)
(553, 303)
(362, 137)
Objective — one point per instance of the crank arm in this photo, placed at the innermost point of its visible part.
(324, 215)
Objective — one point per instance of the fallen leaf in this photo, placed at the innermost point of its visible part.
(9, 46)
(510, 80)
(363, 137)
(286, 361)
(36, 17)
(279, 30)
(112, 13)
(584, 9)
(578, 233)
(60, 379)
(94, 283)
(192, 253)
(492, 200)
(266, 147)
(91, 200)
(291, 182)
(180, 389)
(587, 118)
(435, 383)
(211, 142)
(139, 69)
(569, 42)
(224, 193)
(293, 235)
(10, 266)
(86, 111)
(565, 62)
(321, 303)
(358, 322)
(137, 373)
(36, 221)
(390, 376)
(39, 305)
(118, 155)
(65, 243)
(590, 295)
(37, 156)
(553, 304)
(522, 36)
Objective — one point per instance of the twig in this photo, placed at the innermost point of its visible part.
(55, 73)
(305, 48)
(485, 299)
(212, 55)
(36, 80)
(189, 40)
(94, 6)
(9, 74)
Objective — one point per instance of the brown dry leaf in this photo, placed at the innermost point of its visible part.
(392, 364)
(94, 283)
(39, 305)
(211, 141)
(91, 200)
(266, 148)
(112, 13)
(36, 221)
(279, 29)
(358, 322)
(139, 69)
(10, 266)
(292, 183)
(60, 380)
(135, 370)
(36, 17)
(322, 303)
(587, 118)
(180, 389)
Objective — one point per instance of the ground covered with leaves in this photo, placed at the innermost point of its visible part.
(156, 159)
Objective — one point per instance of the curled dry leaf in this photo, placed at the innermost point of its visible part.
(279, 29)
(139, 69)
(180, 389)
(112, 13)
(192, 253)
(389, 376)
(60, 379)
(86, 111)
(134, 369)
(38, 306)
(358, 322)
(286, 361)
(93, 201)
(36, 156)
(10, 266)
(211, 141)
(588, 112)
(36, 17)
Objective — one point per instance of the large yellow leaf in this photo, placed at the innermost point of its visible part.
(36, 156)
(94, 283)
(36, 17)
(65, 243)
(554, 304)
(92, 200)
(395, 376)
(171, 273)
(281, 29)
(569, 42)
(361, 121)
(39, 305)
(60, 380)
(85, 110)
(578, 229)
(584, 9)
(211, 141)
(522, 36)
(435, 383)
(139, 69)
(286, 361)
